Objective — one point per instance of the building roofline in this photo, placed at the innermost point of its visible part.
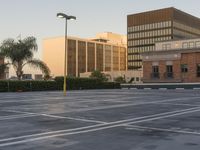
(172, 8)
(150, 11)
(83, 39)
(185, 13)
(188, 50)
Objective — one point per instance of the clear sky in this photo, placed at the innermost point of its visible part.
(38, 17)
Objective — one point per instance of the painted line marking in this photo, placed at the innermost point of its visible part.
(147, 88)
(124, 105)
(17, 116)
(175, 104)
(180, 88)
(47, 135)
(162, 130)
(162, 89)
(59, 117)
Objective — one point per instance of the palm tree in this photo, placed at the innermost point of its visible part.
(20, 53)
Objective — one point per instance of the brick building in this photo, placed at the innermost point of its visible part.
(173, 61)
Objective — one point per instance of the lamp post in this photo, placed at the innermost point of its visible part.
(66, 17)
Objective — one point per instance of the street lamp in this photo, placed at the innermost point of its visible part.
(66, 17)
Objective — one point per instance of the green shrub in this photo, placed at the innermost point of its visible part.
(85, 83)
(120, 79)
(72, 84)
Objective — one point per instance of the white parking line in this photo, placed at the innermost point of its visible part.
(163, 130)
(58, 117)
(47, 135)
(175, 104)
(17, 116)
(122, 105)
(69, 100)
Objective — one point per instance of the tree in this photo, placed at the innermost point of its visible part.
(98, 75)
(20, 53)
(120, 79)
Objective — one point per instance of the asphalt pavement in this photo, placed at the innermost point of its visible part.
(122, 119)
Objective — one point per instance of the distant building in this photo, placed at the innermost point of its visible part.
(133, 76)
(147, 28)
(38, 77)
(106, 52)
(27, 77)
(173, 61)
(2, 74)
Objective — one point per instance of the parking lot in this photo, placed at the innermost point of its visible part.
(123, 119)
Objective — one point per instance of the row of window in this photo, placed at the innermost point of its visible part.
(134, 57)
(140, 49)
(149, 33)
(184, 34)
(169, 70)
(150, 26)
(186, 27)
(147, 41)
(191, 44)
(185, 45)
(134, 64)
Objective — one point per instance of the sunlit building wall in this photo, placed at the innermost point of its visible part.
(83, 55)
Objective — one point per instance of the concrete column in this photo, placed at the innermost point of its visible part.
(95, 57)
(112, 58)
(111, 63)
(119, 56)
(67, 45)
(86, 68)
(76, 58)
(126, 59)
(104, 58)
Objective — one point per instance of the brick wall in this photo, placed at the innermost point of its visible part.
(191, 59)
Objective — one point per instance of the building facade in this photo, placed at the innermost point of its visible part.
(83, 55)
(147, 28)
(2, 74)
(131, 76)
(173, 61)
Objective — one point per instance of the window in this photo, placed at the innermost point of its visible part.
(198, 70)
(184, 68)
(169, 71)
(197, 44)
(137, 79)
(191, 44)
(185, 45)
(155, 72)
(166, 46)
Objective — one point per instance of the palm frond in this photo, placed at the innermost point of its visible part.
(6, 47)
(30, 43)
(36, 63)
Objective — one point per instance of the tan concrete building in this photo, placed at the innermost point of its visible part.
(173, 61)
(85, 55)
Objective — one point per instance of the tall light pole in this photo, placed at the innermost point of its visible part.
(66, 17)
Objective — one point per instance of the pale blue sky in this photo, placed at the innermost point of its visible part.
(38, 17)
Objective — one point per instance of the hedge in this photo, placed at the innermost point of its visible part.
(86, 83)
(72, 84)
